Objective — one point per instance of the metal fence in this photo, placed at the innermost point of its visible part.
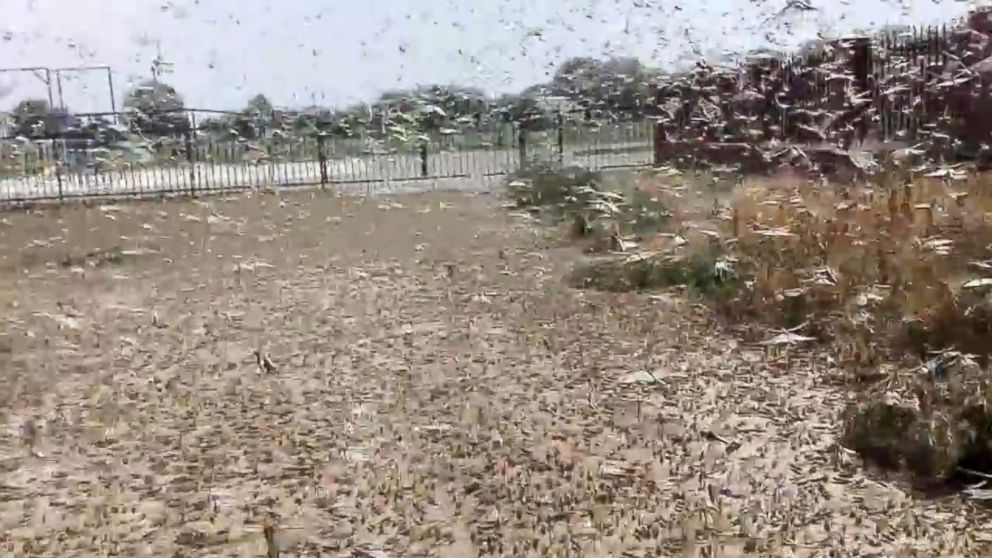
(192, 164)
(898, 73)
(919, 84)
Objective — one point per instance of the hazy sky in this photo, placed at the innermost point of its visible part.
(334, 52)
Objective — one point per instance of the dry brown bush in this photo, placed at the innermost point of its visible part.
(884, 274)
(896, 275)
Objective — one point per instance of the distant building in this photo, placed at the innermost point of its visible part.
(283, 118)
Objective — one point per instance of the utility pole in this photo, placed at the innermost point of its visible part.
(159, 65)
(157, 60)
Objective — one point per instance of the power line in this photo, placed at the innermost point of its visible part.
(45, 78)
(44, 74)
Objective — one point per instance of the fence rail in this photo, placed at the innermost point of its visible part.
(898, 72)
(63, 169)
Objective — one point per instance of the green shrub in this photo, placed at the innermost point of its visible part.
(704, 274)
(541, 185)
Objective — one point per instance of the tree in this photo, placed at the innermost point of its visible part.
(623, 66)
(247, 126)
(29, 117)
(577, 69)
(529, 113)
(431, 118)
(214, 126)
(625, 85)
(617, 84)
(153, 96)
(255, 119)
(259, 105)
(34, 118)
(155, 108)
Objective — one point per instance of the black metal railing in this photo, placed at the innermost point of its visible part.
(194, 162)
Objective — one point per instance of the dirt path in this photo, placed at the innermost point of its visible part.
(438, 393)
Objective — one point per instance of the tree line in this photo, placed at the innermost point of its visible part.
(590, 88)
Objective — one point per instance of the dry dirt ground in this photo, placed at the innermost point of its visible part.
(438, 392)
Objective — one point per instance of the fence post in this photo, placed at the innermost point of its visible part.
(322, 158)
(58, 167)
(270, 163)
(659, 142)
(522, 146)
(423, 159)
(561, 138)
(190, 158)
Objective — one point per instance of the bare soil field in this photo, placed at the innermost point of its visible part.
(437, 391)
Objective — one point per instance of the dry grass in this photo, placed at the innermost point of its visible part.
(883, 273)
(893, 276)
(437, 392)
(890, 275)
